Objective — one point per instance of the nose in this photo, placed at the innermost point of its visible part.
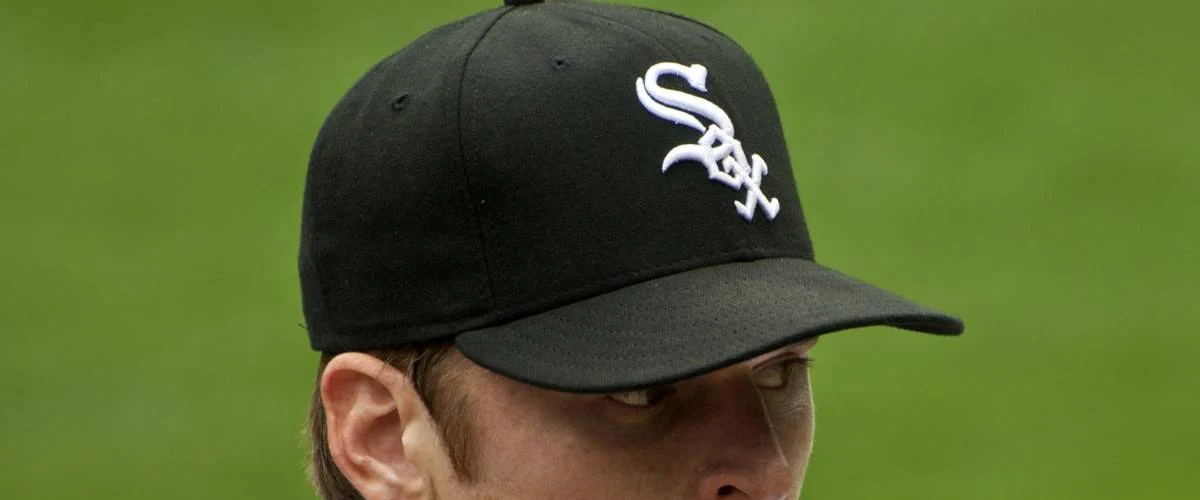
(746, 485)
(747, 454)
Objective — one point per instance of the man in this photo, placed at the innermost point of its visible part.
(555, 251)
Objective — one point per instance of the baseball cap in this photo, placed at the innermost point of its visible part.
(584, 197)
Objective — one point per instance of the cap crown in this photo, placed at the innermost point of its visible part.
(529, 157)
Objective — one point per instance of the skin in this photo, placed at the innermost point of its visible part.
(742, 432)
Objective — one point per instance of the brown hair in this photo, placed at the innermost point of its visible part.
(427, 367)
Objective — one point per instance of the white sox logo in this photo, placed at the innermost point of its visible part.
(726, 162)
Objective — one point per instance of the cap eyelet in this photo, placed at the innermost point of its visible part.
(399, 102)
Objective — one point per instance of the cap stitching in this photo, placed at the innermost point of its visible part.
(487, 264)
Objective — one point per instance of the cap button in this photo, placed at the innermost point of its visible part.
(514, 3)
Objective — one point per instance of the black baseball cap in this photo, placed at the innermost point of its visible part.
(585, 197)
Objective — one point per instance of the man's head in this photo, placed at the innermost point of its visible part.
(591, 209)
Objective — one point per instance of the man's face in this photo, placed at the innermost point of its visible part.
(741, 432)
(744, 431)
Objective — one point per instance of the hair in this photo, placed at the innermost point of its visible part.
(427, 368)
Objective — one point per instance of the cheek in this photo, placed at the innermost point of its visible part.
(531, 446)
(558, 461)
(792, 418)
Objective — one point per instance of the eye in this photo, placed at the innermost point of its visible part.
(641, 398)
(780, 374)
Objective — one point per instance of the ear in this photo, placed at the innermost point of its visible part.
(375, 425)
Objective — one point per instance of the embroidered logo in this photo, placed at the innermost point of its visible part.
(720, 153)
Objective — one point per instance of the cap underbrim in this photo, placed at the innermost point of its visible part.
(686, 324)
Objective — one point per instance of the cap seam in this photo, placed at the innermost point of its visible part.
(651, 36)
(737, 111)
(739, 120)
(696, 22)
(471, 195)
(497, 260)
(749, 242)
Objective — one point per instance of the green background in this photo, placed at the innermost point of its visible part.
(1030, 165)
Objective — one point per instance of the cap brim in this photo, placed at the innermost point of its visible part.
(686, 324)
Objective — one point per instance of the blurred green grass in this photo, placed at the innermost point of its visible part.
(1031, 165)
